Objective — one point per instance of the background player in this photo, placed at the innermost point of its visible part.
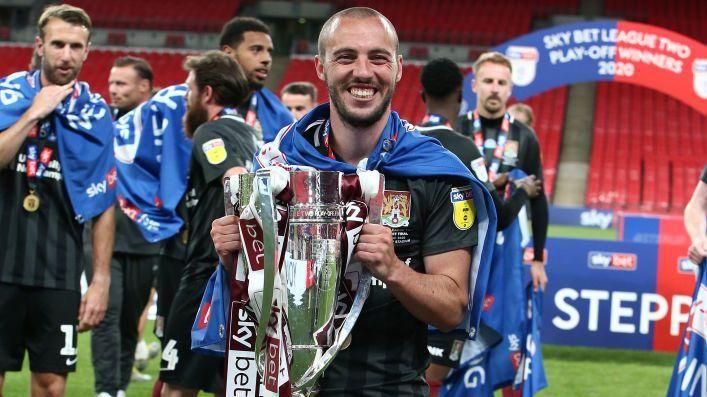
(299, 98)
(223, 144)
(487, 123)
(40, 171)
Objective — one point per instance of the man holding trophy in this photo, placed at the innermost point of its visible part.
(427, 243)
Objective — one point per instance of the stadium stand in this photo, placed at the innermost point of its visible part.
(647, 151)
(686, 17)
(188, 15)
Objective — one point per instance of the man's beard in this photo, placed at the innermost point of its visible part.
(354, 120)
(196, 116)
(491, 108)
(51, 74)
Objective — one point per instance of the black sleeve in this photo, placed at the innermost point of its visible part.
(540, 215)
(704, 175)
(450, 221)
(538, 206)
(219, 147)
(508, 211)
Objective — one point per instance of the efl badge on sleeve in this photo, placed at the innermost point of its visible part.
(464, 211)
(396, 208)
(215, 151)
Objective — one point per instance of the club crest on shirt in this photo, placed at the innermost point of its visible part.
(396, 208)
(464, 212)
(215, 151)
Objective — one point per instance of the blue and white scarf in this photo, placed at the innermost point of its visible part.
(401, 151)
(84, 133)
(152, 156)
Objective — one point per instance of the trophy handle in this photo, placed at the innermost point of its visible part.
(265, 207)
(375, 205)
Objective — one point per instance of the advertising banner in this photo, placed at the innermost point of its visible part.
(607, 50)
(616, 294)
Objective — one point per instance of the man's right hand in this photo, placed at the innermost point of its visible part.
(48, 99)
(227, 239)
(698, 251)
(530, 184)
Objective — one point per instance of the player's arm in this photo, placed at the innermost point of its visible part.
(438, 298)
(695, 223)
(44, 103)
(539, 214)
(95, 300)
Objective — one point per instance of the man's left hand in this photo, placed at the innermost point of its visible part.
(537, 273)
(375, 250)
(93, 304)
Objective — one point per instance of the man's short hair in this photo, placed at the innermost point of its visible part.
(440, 78)
(69, 14)
(224, 75)
(493, 57)
(356, 13)
(525, 110)
(234, 30)
(140, 65)
(301, 88)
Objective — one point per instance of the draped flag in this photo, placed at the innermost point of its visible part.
(690, 370)
(503, 354)
(401, 151)
(152, 154)
(208, 333)
(83, 129)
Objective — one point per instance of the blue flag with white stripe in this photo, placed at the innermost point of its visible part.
(690, 370)
(152, 154)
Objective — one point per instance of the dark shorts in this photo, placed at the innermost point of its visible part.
(43, 322)
(179, 365)
(169, 272)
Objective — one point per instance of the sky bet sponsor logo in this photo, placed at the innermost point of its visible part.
(611, 260)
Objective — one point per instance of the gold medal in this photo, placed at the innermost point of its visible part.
(31, 202)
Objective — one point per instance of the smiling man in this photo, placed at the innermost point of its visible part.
(432, 220)
(55, 174)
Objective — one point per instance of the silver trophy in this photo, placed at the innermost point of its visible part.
(307, 281)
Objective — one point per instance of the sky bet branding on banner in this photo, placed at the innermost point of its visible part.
(608, 50)
(616, 294)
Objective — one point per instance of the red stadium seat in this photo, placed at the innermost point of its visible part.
(647, 151)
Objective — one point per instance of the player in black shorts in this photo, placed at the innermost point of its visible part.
(441, 81)
(223, 144)
(506, 144)
(420, 254)
(113, 341)
(41, 176)
(696, 220)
